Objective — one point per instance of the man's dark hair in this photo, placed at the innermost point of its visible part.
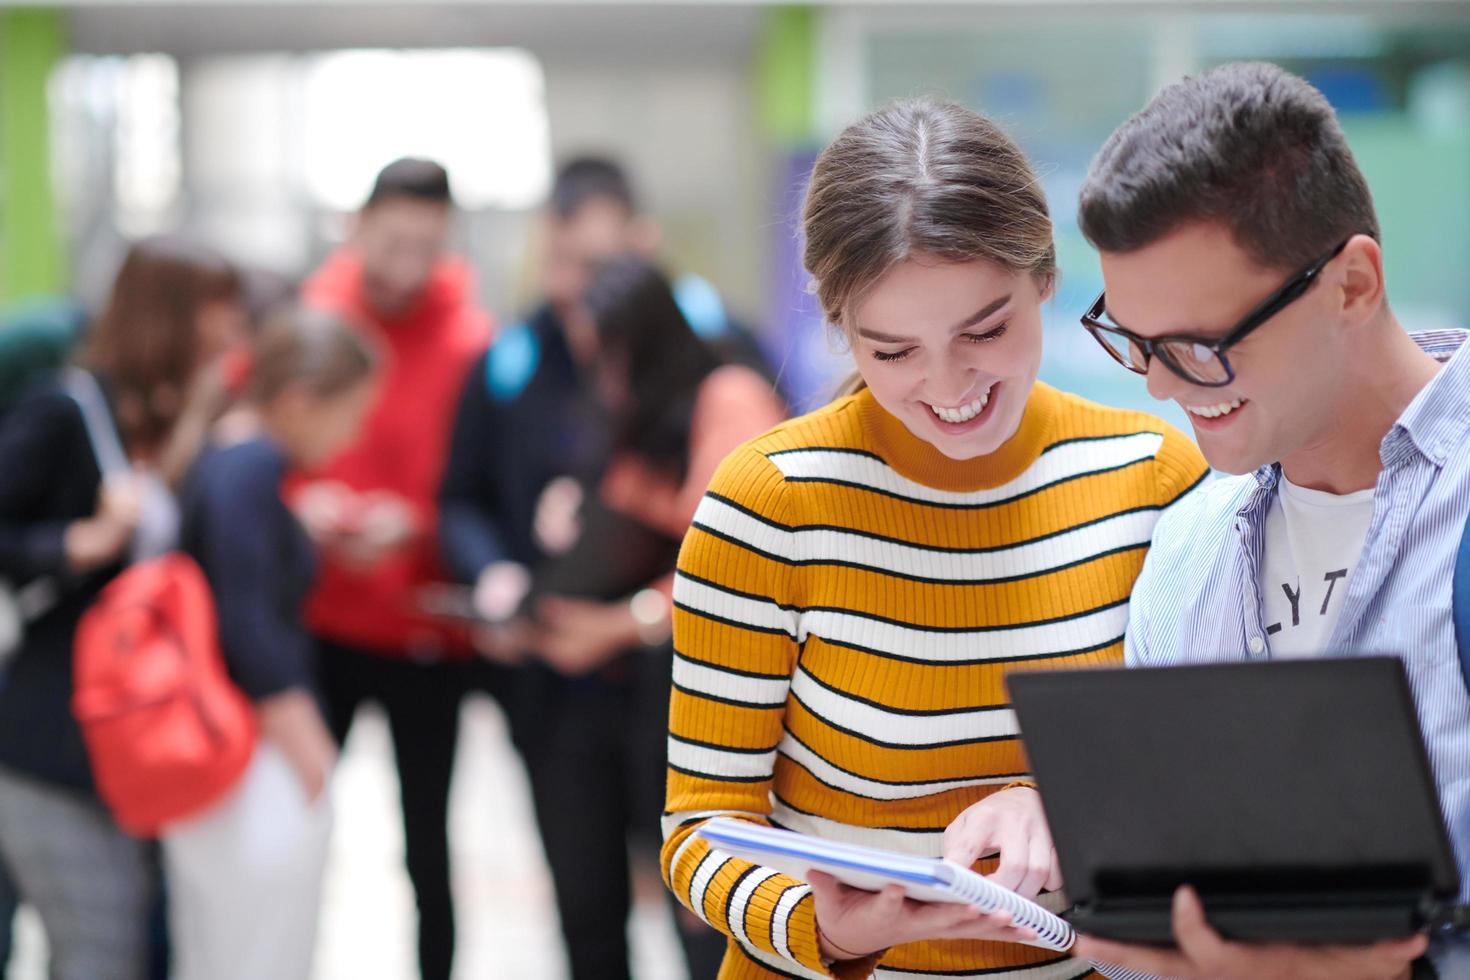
(413, 178)
(1248, 146)
(588, 178)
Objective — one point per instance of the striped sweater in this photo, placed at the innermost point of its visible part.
(847, 604)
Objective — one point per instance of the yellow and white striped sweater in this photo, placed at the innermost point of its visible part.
(847, 605)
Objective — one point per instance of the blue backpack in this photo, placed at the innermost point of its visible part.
(1461, 602)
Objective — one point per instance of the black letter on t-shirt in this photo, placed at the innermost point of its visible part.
(1331, 579)
(1294, 598)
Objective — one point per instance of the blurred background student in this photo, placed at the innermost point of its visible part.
(245, 876)
(650, 409)
(372, 511)
(159, 352)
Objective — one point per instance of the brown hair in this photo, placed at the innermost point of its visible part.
(920, 178)
(146, 342)
(1249, 146)
(312, 348)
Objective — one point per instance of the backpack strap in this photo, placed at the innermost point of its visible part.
(101, 429)
(1461, 602)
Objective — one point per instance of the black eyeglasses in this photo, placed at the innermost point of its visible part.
(1198, 360)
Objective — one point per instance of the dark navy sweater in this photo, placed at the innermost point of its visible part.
(259, 564)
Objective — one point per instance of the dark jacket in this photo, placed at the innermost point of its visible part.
(48, 479)
(259, 564)
(524, 418)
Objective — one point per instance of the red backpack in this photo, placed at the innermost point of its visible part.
(166, 729)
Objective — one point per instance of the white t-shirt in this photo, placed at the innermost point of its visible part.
(1313, 542)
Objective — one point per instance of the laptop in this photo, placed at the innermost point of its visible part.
(1295, 796)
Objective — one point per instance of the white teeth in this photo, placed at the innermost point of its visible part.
(1215, 411)
(965, 412)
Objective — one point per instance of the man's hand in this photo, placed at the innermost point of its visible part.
(324, 508)
(360, 529)
(385, 524)
(1204, 955)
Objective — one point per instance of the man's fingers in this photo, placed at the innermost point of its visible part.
(1394, 954)
(1192, 932)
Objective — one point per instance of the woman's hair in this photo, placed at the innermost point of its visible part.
(146, 342)
(640, 326)
(920, 178)
(312, 348)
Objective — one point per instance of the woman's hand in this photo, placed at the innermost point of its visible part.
(1012, 824)
(99, 540)
(291, 721)
(852, 923)
(558, 521)
(578, 636)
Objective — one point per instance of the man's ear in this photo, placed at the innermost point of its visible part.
(1360, 283)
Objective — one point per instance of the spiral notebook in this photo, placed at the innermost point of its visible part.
(869, 868)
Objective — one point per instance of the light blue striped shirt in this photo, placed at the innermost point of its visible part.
(1199, 597)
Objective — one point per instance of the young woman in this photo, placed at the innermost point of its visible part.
(173, 315)
(244, 876)
(594, 725)
(858, 582)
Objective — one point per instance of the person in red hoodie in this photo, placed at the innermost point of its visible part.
(372, 512)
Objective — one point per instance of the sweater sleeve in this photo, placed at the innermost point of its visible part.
(735, 643)
(1181, 467)
(266, 649)
(40, 440)
(469, 538)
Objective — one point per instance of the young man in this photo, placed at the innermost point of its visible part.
(1244, 277)
(373, 511)
(529, 424)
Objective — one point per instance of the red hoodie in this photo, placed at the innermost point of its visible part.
(402, 450)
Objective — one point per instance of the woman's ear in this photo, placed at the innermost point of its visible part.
(1046, 286)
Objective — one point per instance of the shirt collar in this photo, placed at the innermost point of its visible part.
(1435, 422)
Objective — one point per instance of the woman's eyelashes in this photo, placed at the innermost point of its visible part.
(995, 333)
